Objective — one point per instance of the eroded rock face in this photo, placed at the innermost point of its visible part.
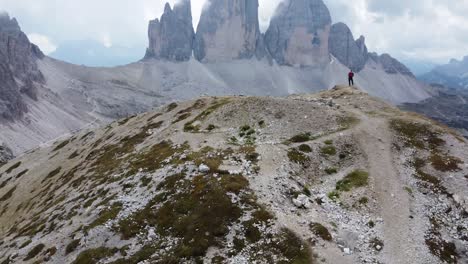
(390, 64)
(229, 29)
(19, 74)
(171, 38)
(5, 154)
(348, 51)
(298, 33)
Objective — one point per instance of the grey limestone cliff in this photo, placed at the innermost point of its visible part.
(349, 52)
(229, 29)
(19, 74)
(171, 38)
(298, 33)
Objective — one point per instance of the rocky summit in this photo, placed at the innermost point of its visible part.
(333, 177)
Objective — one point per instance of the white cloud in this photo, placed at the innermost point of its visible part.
(44, 43)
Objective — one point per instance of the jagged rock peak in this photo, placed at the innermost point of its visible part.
(229, 29)
(7, 23)
(390, 64)
(19, 74)
(298, 32)
(349, 52)
(171, 37)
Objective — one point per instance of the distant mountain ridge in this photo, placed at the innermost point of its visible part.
(301, 52)
(452, 75)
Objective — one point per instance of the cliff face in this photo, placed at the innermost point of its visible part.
(171, 38)
(298, 33)
(19, 74)
(229, 29)
(349, 52)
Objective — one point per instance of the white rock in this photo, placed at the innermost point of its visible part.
(378, 247)
(203, 168)
(347, 251)
(302, 201)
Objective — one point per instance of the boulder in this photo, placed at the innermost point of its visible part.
(302, 201)
(203, 168)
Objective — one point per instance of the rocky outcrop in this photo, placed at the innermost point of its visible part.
(5, 154)
(298, 33)
(19, 74)
(349, 52)
(390, 64)
(229, 29)
(171, 38)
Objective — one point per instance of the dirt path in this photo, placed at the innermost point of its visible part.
(376, 140)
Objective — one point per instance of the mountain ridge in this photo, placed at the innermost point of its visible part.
(244, 179)
(72, 97)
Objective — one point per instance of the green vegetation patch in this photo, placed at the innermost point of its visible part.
(19, 175)
(346, 122)
(355, 179)
(106, 215)
(8, 194)
(445, 163)
(13, 167)
(417, 135)
(72, 246)
(34, 252)
(198, 212)
(61, 145)
(298, 157)
(94, 255)
(333, 195)
(446, 251)
(171, 107)
(429, 181)
(210, 127)
(74, 155)
(328, 150)
(109, 159)
(52, 174)
(190, 127)
(300, 138)
(331, 170)
(321, 231)
(293, 248)
(305, 148)
(25, 244)
(181, 117)
(151, 159)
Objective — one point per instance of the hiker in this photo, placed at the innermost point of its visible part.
(351, 78)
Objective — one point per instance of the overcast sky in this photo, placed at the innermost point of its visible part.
(426, 30)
